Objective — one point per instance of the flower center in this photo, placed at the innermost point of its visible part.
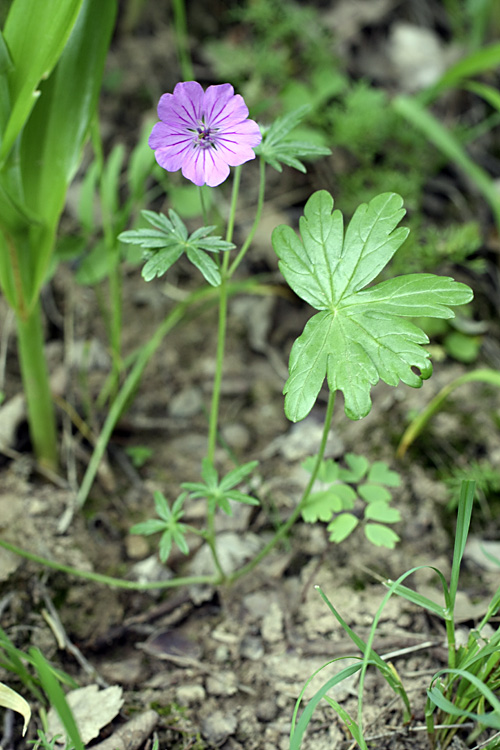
(205, 136)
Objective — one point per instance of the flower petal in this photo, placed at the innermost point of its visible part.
(183, 108)
(222, 106)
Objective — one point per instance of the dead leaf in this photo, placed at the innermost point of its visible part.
(92, 709)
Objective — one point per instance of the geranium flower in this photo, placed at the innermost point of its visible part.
(203, 132)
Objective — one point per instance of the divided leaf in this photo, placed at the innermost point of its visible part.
(277, 149)
(359, 336)
(323, 504)
(168, 239)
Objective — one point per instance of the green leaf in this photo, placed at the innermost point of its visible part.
(358, 466)
(209, 474)
(241, 497)
(173, 530)
(486, 58)
(152, 526)
(161, 262)
(341, 527)
(205, 264)
(449, 145)
(52, 141)
(379, 510)
(86, 203)
(95, 266)
(374, 493)
(110, 183)
(235, 476)
(218, 493)
(358, 337)
(35, 34)
(169, 239)
(141, 163)
(320, 506)
(277, 149)
(381, 536)
(165, 547)
(381, 474)
(328, 471)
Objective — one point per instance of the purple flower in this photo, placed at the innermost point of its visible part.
(203, 132)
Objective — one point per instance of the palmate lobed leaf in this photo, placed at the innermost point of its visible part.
(359, 336)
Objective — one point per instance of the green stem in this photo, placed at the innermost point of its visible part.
(115, 333)
(182, 40)
(260, 202)
(36, 384)
(219, 364)
(221, 333)
(108, 580)
(204, 211)
(234, 202)
(283, 530)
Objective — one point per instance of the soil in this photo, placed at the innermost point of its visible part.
(223, 667)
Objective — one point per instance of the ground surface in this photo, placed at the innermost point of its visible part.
(223, 668)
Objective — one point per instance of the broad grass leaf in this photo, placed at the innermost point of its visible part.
(35, 34)
(359, 336)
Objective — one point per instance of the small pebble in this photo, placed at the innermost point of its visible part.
(222, 684)
(267, 710)
(187, 695)
(217, 727)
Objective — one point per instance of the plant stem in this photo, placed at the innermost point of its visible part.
(36, 384)
(260, 202)
(182, 39)
(107, 580)
(203, 204)
(221, 333)
(283, 530)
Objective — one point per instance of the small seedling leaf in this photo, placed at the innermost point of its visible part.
(381, 536)
(382, 511)
(341, 527)
(381, 474)
(358, 466)
(321, 506)
(374, 493)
